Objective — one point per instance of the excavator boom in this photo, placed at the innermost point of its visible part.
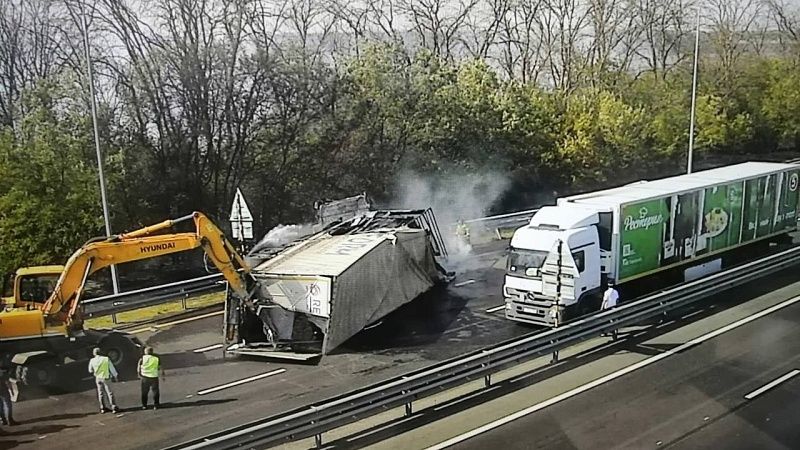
(145, 243)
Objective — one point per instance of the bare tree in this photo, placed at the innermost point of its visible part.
(520, 44)
(732, 23)
(383, 16)
(663, 33)
(352, 18)
(614, 36)
(437, 24)
(483, 25)
(562, 27)
(787, 21)
(33, 47)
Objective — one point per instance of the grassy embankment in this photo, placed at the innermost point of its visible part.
(163, 310)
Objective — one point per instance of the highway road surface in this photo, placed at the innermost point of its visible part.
(729, 378)
(693, 396)
(704, 396)
(204, 393)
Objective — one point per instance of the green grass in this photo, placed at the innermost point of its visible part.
(158, 311)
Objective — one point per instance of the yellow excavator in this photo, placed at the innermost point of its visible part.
(43, 340)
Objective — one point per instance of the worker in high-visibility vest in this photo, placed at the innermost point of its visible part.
(462, 231)
(149, 369)
(103, 370)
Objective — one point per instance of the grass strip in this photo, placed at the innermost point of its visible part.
(158, 311)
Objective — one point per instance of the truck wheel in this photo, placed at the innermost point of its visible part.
(121, 351)
(588, 305)
(40, 373)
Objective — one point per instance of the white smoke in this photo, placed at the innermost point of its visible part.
(458, 195)
(281, 235)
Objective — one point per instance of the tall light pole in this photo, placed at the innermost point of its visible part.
(694, 91)
(97, 139)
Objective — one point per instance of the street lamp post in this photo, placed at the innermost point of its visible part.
(97, 140)
(694, 92)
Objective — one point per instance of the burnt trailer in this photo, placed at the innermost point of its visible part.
(317, 292)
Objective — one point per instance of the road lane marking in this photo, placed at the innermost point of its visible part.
(238, 382)
(605, 379)
(464, 283)
(693, 314)
(496, 308)
(771, 384)
(210, 347)
(177, 322)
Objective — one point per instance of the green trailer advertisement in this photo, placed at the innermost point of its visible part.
(676, 228)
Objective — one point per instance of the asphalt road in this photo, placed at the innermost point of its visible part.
(432, 328)
(691, 400)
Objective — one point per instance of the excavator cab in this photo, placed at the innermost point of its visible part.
(28, 290)
(34, 285)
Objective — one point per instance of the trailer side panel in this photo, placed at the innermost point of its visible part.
(677, 228)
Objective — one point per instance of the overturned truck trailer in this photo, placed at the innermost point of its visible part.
(317, 292)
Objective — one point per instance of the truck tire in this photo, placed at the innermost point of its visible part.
(588, 304)
(122, 352)
(40, 372)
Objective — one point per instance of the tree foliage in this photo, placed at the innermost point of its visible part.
(301, 100)
(49, 201)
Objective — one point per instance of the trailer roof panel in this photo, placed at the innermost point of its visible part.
(327, 256)
(681, 183)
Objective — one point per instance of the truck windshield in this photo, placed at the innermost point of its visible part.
(520, 260)
(37, 288)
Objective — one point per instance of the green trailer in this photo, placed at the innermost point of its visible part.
(682, 227)
(677, 227)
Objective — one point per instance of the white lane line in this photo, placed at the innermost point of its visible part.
(210, 347)
(496, 308)
(238, 382)
(692, 314)
(464, 283)
(169, 324)
(771, 384)
(624, 371)
(665, 324)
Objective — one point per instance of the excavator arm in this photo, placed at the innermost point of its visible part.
(145, 243)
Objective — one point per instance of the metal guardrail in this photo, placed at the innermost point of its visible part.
(519, 216)
(127, 301)
(142, 298)
(315, 419)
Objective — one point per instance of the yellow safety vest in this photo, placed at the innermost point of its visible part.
(149, 367)
(102, 370)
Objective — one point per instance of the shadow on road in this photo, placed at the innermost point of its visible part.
(37, 430)
(629, 341)
(57, 417)
(196, 403)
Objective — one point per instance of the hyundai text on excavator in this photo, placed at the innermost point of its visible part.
(43, 338)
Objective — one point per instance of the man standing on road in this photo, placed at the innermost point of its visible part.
(610, 300)
(6, 411)
(149, 369)
(103, 370)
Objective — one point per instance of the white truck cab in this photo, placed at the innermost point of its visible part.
(554, 262)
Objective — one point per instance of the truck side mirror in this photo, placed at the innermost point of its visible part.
(531, 272)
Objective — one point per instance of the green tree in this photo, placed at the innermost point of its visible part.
(603, 136)
(49, 201)
(781, 105)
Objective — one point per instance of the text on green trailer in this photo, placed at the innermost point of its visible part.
(558, 264)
